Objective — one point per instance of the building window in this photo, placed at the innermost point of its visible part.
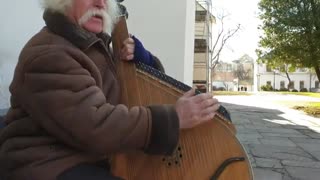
(219, 68)
(301, 84)
(269, 83)
(229, 67)
(291, 86)
(282, 84)
(200, 45)
(201, 16)
(316, 84)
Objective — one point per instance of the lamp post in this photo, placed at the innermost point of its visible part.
(274, 78)
(258, 82)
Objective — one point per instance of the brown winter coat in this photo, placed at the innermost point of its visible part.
(65, 107)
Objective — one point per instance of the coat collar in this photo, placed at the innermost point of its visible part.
(60, 25)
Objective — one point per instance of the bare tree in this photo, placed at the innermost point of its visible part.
(220, 42)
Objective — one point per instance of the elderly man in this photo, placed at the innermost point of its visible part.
(65, 118)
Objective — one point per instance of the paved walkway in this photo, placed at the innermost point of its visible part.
(283, 144)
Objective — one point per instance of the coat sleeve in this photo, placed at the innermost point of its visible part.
(61, 93)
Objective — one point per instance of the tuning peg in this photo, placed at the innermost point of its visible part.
(123, 10)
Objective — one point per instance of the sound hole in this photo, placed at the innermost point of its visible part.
(174, 159)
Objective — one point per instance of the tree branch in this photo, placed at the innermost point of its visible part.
(215, 59)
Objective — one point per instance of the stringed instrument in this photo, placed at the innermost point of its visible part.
(208, 151)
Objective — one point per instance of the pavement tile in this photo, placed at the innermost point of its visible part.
(268, 163)
(310, 133)
(311, 164)
(303, 173)
(282, 143)
(266, 174)
(280, 152)
(283, 135)
(277, 141)
(279, 130)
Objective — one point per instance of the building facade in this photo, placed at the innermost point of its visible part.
(204, 20)
(234, 76)
(300, 79)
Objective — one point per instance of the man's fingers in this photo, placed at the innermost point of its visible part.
(208, 117)
(208, 102)
(127, 53)
(201, 97)
(189, 93)
(130, 57)
(210, 110)
(127, 49)
(128, 41)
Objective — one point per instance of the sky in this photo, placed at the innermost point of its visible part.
(244, 13)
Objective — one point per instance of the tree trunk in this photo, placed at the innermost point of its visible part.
(289, 84)
(317, 69)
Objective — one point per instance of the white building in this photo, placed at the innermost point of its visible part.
(167, 29)
(204, 21)
(300, 79)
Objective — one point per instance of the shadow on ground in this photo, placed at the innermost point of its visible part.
(278, 145)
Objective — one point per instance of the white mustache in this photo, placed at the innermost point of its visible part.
(109, 15)
(91, 13)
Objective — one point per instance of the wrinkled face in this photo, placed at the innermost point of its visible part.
(89, 14)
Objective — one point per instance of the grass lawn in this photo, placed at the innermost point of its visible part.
(311, 108)
(311, 94)
(221, 93)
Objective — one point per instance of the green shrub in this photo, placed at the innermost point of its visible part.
(304, 90)
(266, 87)
(294, 90)
(283, 89)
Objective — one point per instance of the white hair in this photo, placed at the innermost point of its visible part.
(56, 5)
(110, 16)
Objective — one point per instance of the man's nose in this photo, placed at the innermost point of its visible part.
(101, 4)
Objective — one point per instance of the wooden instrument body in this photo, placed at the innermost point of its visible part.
(201, 150)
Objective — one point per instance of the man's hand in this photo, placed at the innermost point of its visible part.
(193, 110)
(127, 52)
